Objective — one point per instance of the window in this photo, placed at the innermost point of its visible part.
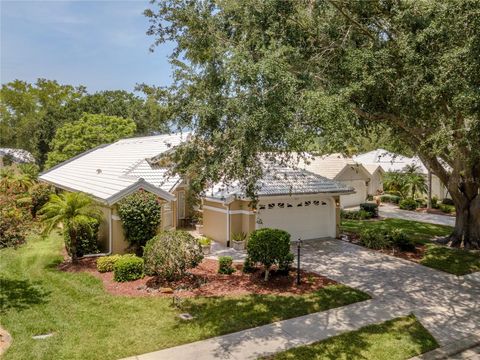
(299, 204)
(289, 205)
(316, 202)
(324, 203)
(261, 207)
(281, 205)
(271, 206)
(308, 203)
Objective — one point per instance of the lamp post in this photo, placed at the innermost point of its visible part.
(299, 245)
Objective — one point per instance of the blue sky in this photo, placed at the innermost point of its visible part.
(100, 44)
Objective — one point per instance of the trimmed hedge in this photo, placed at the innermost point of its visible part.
(225, 265)
(105, 263)
(128, 268)
(386, 239)
(372, 208)
(388, 198)
(355, 214)
(408, 204)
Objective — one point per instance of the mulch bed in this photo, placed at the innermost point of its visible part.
(205, 281)
(434, 211)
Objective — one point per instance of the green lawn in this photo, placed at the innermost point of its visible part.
(453, 261)
(397, 339)
(36, 298)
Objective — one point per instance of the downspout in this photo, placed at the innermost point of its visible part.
(228, 225)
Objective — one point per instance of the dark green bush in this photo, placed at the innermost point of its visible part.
(435, 204)
(374, 239)
(87, 239)
(399, 239)
(140, 214)
(372, 208)
(225, 265)
(447, 201)
(248, 265)
(355, 214)
(171, 253)
(408, 204)
(388, 198)
(14, 222)
(446, 208)
(269, 247)
(285, 264)
(128, 268)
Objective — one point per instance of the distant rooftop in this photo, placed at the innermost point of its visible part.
(19, 156)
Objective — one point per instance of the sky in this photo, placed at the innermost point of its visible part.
(101, 44)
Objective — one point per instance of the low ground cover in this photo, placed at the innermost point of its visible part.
(88, 322)
(397, 339)
(426, 252)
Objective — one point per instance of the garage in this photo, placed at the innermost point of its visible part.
(303, 217)
(354, 199)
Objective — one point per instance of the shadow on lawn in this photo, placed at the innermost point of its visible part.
(20, 294)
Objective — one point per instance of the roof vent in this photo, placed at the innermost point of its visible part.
(99, 171)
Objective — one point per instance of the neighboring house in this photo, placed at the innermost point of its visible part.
(346, 170)
(393, 162)
(296, 200)
(17, 156)
(300, 202)
(375, 185)
(110, 172)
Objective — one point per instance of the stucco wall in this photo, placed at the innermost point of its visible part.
(352, 174)
(376, 183)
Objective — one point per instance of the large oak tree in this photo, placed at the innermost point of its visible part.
(254, 76)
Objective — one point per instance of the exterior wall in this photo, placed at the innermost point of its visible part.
(357, 179)
(215, 225)
(103, 231)
(350, 173)
(119, 243)
(438, 189)
(376, 183)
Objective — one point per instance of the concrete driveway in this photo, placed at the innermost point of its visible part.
(447, 305)
(391, 211)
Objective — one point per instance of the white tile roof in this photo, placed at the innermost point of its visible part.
(330, 166)
(18, 155)
(110, 171)
(389, 161)
(281, 180)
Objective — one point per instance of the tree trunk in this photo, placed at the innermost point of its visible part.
(467, 223)
(73, 245)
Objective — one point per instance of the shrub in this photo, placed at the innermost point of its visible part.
(394, 193)
(446, 208)
(128, 268)
(399, 239)
(374, 239)
(372, 208)
(205, 241)
(435, 204)
(14, 221)
(140, 214)
(387, 198)
(355, 214)
(447, 201)
(87, 238)
(106, 263)
(408, 204)
(40, 194)
(225, 265)
(286, 263)
(248, 265)
(171, 253)
(269, 247)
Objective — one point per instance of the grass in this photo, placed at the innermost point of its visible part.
(36, 298)
(453, 261)
(397, 339)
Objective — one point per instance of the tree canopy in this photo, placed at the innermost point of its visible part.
(88, 132)
(254, 76)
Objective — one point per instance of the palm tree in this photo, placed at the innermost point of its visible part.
(415, 180)
(73, 211)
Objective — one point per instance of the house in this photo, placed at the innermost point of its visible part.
(17, 156)
(375, 184)
(345, 170)
(110, 172)
(298, 201)
(394, 162)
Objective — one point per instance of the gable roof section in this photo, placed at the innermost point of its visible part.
(390, 161)
(282, 180)
(332, 166)
(110, 172)
(373, 168)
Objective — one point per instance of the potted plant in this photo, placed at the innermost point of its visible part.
(197, 219)
(238, 241)
(206, 244)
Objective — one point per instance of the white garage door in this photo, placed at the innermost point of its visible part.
(304, 218)
(354, 199)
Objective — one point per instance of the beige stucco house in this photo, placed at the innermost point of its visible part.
(305, 204)
(375, 185)
(298, 201)
(343, 169)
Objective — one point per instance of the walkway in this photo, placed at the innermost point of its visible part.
(448, 306)
(391, 211)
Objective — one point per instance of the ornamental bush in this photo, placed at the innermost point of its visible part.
(225, 265)
(389, 198)
(269, 247)
(171, 253)
(374, 239)
(40, 194)
(87, 238)
(140, 214)
(106, 263)
(399, 239)
(372, 208)
(408, 204)
(14, 222)
(128, 268)
(355, 214)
